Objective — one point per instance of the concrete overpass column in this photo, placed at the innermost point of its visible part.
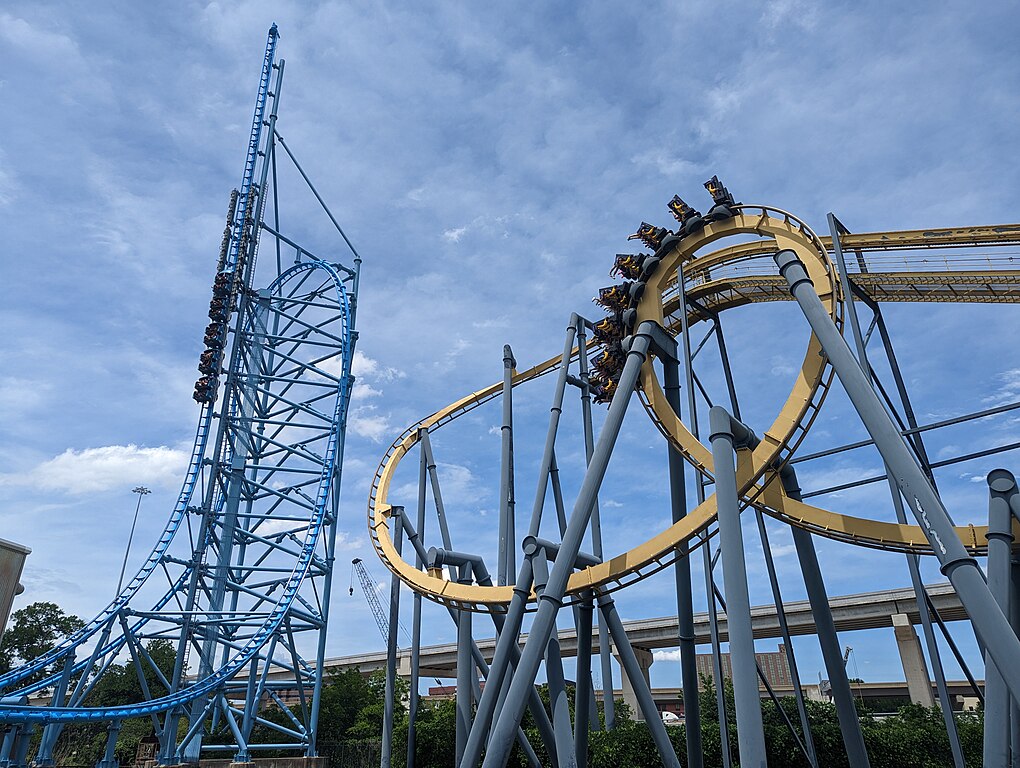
(914, 668)
(644, 657)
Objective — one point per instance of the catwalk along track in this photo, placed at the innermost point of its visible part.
(721, 279)
(732, 256)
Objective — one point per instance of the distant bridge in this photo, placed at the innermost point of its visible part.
(867, 610)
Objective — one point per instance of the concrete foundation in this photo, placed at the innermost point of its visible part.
(914, 668)
(644, 657)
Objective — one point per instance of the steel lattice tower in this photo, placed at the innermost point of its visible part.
(246, 557)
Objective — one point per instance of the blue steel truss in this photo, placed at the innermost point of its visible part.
(245, 559)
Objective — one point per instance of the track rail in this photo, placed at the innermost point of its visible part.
(276, 609)
(715, 280)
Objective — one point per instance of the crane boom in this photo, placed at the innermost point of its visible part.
(371, 589)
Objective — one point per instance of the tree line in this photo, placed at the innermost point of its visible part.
(351, 713)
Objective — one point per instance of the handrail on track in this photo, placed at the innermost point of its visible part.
(777, 229)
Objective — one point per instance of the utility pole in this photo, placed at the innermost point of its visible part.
(141, 490)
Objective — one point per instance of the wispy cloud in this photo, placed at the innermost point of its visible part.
(454, 235)
(367, 421)
(526, 146)
(92, 470)
(363, 366)
(1008, 389)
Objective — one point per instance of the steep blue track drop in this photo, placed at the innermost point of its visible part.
(239, 580)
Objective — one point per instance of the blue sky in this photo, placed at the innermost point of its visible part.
(488, 163)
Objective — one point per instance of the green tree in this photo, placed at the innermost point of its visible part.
(84, 743)
(121, 684)
(34, 630)
(435, 733)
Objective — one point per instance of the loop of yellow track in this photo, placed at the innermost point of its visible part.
(756, 469)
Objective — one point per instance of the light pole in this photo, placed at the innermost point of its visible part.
(141, 490)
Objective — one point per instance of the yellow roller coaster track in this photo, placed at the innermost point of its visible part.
(720, 279)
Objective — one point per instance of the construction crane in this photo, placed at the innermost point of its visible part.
(371, 589)
(846, 654)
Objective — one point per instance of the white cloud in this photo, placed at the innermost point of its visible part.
(8, 181)
(781, 366)
(796, 12)
(666, 655)
(1009, 388)
(346, 542)
(362, 391)
(41, 44)
(454, 235)
(366, 421)
(20, 395)
(366, 367)
(666, 163)
(502, 321)
(459, 485)
(457, 348)
(93, 470)
(333, 365)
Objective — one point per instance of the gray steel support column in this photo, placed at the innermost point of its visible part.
(772, 694)
(912, 562)
(396, 513)
(565, 756)
(632, 668)
(506, 637)
(713, 632)
(437, 494)
(1014, 619)
(535, 705)
(465, 671)
(504, 689)
(784, 629)
(550, 438)
(684, 588)
(504, 656)
(706, 553)
(583, 698)
(960, 568)
(1001, 486)
(825, 628)
(750, 729)
(552, 598)
(506, 647)
(437, 558)
(522, 738)
(955, 649)
(418, 543)
(505, 566)
(605, 654)
(561, 520)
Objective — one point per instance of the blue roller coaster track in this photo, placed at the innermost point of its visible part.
(239, 581)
